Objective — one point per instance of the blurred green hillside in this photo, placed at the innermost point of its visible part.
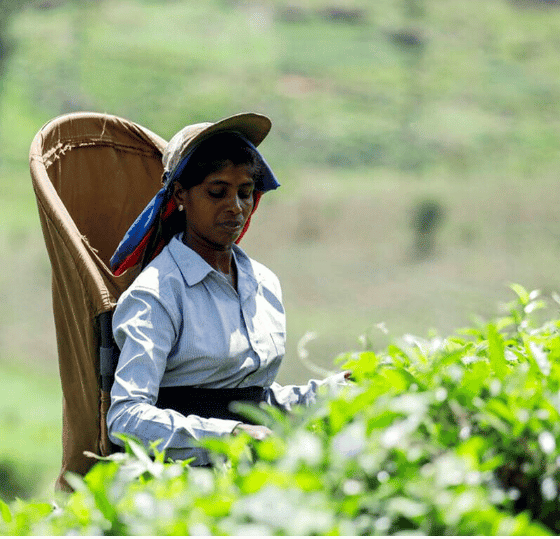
(457, 88)
(382, 113)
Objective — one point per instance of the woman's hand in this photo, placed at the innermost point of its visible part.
(257, 432)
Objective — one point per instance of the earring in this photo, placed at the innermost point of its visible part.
(181, 207)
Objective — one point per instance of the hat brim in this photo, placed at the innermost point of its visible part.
(254, 127)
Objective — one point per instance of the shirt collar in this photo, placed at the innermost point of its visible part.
(195, 269)
(247, 282)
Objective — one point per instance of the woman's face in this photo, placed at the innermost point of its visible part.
(217, 209)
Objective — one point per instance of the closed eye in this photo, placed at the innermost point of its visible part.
(246, 193)
(221, 193)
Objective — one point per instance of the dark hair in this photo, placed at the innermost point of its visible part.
(214, 153)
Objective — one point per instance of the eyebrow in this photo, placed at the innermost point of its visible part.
(223, 182)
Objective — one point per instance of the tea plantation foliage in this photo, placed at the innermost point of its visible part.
(454, 436)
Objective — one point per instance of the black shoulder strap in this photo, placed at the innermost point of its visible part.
(108, 351)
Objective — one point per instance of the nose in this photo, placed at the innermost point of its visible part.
(234, 204)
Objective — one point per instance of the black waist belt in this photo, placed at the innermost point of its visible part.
(208, 402)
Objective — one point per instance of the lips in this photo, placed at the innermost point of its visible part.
(234, 224)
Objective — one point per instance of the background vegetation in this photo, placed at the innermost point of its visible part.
(416, 142)
(436, 437)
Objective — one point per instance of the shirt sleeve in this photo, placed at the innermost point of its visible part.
(285, 397)
(146, 331)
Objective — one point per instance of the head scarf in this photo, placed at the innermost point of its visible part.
(144, 239)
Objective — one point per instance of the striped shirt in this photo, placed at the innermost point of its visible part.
(181, 323)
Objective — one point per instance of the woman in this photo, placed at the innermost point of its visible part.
(203, 325)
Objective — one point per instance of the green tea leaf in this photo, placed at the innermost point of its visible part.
(5, 512)
(496, 352)
(521, 292)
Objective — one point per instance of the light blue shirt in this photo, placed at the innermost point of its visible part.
(181, 323)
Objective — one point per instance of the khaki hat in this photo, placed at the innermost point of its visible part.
(252, 126)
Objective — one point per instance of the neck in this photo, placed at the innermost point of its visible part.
(220, 258)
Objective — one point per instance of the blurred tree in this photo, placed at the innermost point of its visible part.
(426, 219)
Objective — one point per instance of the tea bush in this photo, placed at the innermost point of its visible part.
(435, 436)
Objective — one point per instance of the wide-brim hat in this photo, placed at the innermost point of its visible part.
(251, 126)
